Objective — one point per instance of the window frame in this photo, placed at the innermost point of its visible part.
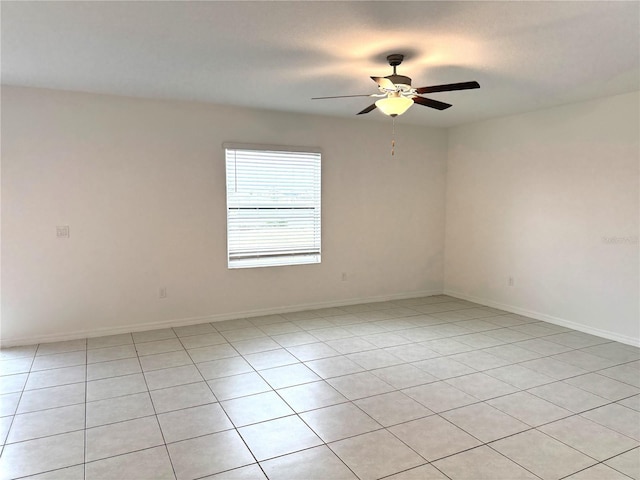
(290, 258)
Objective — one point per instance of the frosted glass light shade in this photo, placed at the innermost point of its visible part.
(393, 106)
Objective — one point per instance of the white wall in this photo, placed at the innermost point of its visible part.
(141, 185)
(539, 197)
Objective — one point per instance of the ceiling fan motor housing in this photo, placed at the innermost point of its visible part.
(399, 79)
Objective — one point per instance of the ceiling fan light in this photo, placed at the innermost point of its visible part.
(394, 106)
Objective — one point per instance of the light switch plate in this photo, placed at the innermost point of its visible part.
(62, 231)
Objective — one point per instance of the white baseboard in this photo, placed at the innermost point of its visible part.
(140, 327)
(548, 318)
(99, 332)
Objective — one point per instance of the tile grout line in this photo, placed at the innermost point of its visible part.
(235, 428)
(15, 413)
(352, 402)
(441, 338)
(166, 448)
(297, 414)
(371, 370)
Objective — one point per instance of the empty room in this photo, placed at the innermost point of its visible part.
(316, 240)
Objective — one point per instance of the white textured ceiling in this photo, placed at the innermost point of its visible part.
(277, 55)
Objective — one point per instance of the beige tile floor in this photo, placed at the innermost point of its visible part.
(425, 388)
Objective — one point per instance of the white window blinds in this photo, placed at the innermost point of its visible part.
(273, 206)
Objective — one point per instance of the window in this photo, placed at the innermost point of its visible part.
(273, 206)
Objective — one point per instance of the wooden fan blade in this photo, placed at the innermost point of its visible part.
(448, 87)
(368, 109)
(341, 96)
(428, 102)
(384, 83)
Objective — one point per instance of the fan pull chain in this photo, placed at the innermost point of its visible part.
(393, 136)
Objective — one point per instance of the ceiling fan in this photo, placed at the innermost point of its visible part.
(397, 95)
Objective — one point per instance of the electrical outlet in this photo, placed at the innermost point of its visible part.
(62, 231)
(511, 282)
(163, 292)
